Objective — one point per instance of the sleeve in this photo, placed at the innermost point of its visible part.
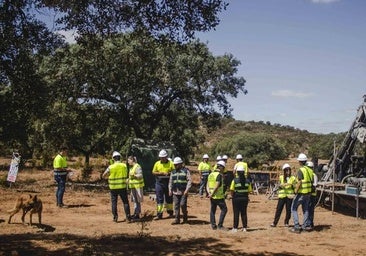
(232, 185)
(189, 180)
(155, 168)
(300, 175)
(170, 185)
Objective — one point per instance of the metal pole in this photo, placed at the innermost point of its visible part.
(334, 167)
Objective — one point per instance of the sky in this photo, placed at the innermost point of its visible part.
(304, 60)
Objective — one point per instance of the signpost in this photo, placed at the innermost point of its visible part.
(14, 166)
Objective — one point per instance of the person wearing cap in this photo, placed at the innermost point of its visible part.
(136, 186)
(285, 195)
(179, 184)
(204, 169)
(215, 186)
(117, 181)
(241, 164)
(240, 188)
(60, 172)
(313, 196)
(302, 194)
(161, 170)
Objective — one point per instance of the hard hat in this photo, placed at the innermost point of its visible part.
(224, 157)
(177, 160)
(222, 163)
(218, 158)
(310, 164)
(285, 166)
(238, 156)
(205, 156)
(115, 153)
(302, 157)
(240, 169)
(163, 153)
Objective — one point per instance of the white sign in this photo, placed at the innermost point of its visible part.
(14, 166)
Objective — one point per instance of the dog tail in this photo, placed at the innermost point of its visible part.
(18, 203)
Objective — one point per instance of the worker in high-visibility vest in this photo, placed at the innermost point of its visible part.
(136, 185)
(313, 196)
(180, 182)
(240, 188)
(204, 169)
(215, 186)
(285, 195)
(161, 170)
(117, 180)
(302, 194)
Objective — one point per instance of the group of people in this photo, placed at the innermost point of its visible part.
(296, 190)
(173, 181)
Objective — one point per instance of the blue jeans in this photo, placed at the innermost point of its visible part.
(61, 184)
(203, 184)
(304, 201)
(222, 205)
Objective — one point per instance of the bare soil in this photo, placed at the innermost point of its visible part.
(86, 227)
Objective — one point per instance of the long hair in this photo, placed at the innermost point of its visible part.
(241, 178)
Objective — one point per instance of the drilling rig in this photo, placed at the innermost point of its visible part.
(345, 174)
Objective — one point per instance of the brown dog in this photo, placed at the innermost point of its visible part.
(31, 204)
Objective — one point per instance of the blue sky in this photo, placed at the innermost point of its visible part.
(304, 60)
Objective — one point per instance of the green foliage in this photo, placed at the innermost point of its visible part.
(256, 148)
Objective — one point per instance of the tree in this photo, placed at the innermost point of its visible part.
(179, 20)
(23, 96)
(152, 90)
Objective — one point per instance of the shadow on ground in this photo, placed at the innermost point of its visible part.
(26, 244)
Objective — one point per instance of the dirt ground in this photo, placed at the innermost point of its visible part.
(86, 227)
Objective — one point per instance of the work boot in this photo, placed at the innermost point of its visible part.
(159, 216)
(171, 213)
(175, 222)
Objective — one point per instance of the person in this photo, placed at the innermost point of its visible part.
(215, 186)
(240, 188)
(136, 186)
(285, 195)
(60, 172)
(241, 164)
(117, 180)
(179, 184)
(161, 170)
(204, 169)
(302, 195)
(228, 175)
(313, 196)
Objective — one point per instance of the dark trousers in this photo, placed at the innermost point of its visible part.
(240, 206)
(180, 202)
(122, 193)
(203, 185)
(313, 200)
(280, 204)
(222, 205)
(162, 196)
(61, 185)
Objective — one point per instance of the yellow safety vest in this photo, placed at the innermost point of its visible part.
(134, 182)
(288, 190)
(117, 176)
(244, 165)
(211, 181)
(307, 180)
(204, 168)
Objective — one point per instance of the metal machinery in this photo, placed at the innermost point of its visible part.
(343, 182)
(344, 165)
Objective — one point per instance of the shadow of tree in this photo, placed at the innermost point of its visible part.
(26, 244)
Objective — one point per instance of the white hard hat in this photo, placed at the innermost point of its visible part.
(218, 158)
(238, 156)
(222, 163)
(240, 169)
(163, 153)
(224, 157)
(285, 166)
(205, 156)
(177, 160)
(310, 164)
(115, 153)
(302, 157)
